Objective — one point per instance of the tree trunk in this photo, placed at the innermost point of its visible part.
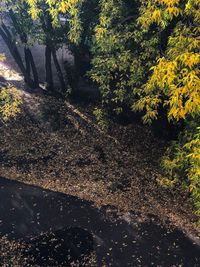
(48, 68)
(50, 45)
(30, 64)
(77, 63)
(4, 32)
(48, 53)
(59, 71)
(27, 61)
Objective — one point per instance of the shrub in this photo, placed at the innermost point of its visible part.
(182, 163)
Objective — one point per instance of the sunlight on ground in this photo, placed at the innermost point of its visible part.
(8, 73)
(14, 78)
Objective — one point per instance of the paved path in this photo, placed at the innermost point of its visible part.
(28, 211)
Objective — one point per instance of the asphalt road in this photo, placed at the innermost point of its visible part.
(60, 227)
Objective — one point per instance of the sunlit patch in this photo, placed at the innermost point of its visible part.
(8, 73)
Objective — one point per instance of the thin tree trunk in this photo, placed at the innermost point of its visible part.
(48, 54)
(4, 32)
(59, 71)
(48, 68)
(27, 61)
(77, 63)
(30, 64)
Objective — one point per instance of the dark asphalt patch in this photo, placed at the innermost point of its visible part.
(59, 227)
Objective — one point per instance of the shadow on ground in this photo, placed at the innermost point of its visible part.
(59, 229)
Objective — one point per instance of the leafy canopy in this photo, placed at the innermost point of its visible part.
(175, 81)
(71, 8)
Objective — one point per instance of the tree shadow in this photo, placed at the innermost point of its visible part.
(58, 227)
(59, 248)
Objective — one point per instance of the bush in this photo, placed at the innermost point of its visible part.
(182, 163)
(10, 102)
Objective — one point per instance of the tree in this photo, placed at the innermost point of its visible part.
(175, 85)
(19, 25)
(39, 21)
(122, 53)
(146, 56)
(49, 14)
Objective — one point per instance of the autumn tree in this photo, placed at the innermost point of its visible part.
(146, 56)
(60, 22)
(40, 22)
(175, 85)
(122, 54)
(9, 30)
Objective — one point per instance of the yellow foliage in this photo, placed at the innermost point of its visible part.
(175, 80)
(56, 8)
(182, 163)
(161, 11)
(10, 102)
